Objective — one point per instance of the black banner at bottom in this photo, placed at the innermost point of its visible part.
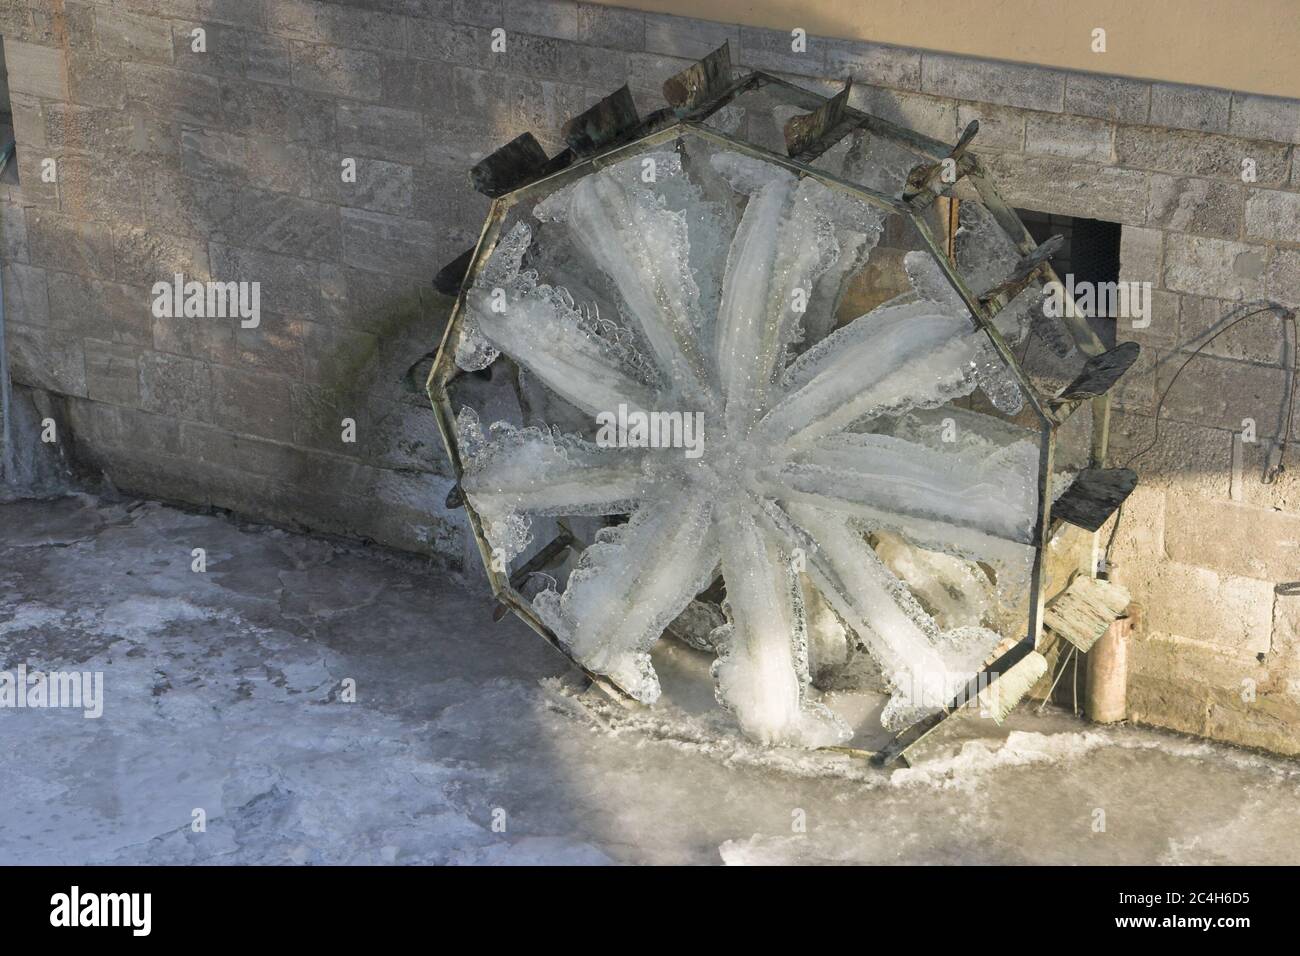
(330, 905)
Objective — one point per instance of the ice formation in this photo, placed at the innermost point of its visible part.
(724, 280)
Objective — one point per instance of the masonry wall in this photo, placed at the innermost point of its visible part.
(226, 164)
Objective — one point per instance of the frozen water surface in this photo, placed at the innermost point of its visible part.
(222, 693)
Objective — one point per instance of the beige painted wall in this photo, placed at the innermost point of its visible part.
(1250, 45)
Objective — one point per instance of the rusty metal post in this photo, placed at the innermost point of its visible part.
(1106, 693)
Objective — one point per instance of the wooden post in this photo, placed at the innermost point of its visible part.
(1106, 693)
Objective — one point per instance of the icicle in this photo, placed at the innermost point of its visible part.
(538, 326)
(762, 666)
(519, 472)
(644, 248)
(994, 495)
(628, 587)
(894, 627)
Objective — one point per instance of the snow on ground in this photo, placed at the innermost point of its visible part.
(224, 691)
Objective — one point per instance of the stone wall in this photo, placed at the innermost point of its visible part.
(225, 164)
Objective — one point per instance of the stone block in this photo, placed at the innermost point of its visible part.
(252, 403)
(92, 188)
(1234, 538)
(329, 69)
(87, 128)
(484, 13)
(265, 109)
(384, 243)
(120, 35)
(986, 81)
(25, 297)
(1200, 154)
(318, 413)
(28, 119)
(13, 233)
(380, 185)
(687, 38)
(548, 18)
(1257, 339)
(1190, 107)
(602, 70)
(1183, 602)
(1214, 267)
(112, 373)
(929, 115)
(177, 95)
(771, 50)
(380, 132)
(276, 345)
(104, 311)
(341, 360)
(144, 256)
(1141, 254)
(1071, 137)
(64, 243)
(611, 27)
(1000, 127)
(290, 285)
(1265, 117)
(225, 50)
(1282, 277)
(94, 81)
(1202, 206)
(1272, 214)
(175, 386)
(417, 84)
(46, 358)
(1222, 393)
(1270, 721)
(1182, 458)
(354, 27)
(38, 70)
(873, 63)
(209, 340)
(461, 44)
(1162, 332)
(1071, 188)
(1116, 98)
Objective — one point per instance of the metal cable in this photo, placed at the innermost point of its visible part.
(1288, 317)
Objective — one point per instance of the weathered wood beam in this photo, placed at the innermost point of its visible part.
(701, 81)
(1083, 611)
(612, 119)
(1020, 277)
(451, 277)
(808, 135)
(1099, 373)
(1094, 496)
(515, 164)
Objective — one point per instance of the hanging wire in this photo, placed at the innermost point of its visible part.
(1065, 662)
(1288, 318)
